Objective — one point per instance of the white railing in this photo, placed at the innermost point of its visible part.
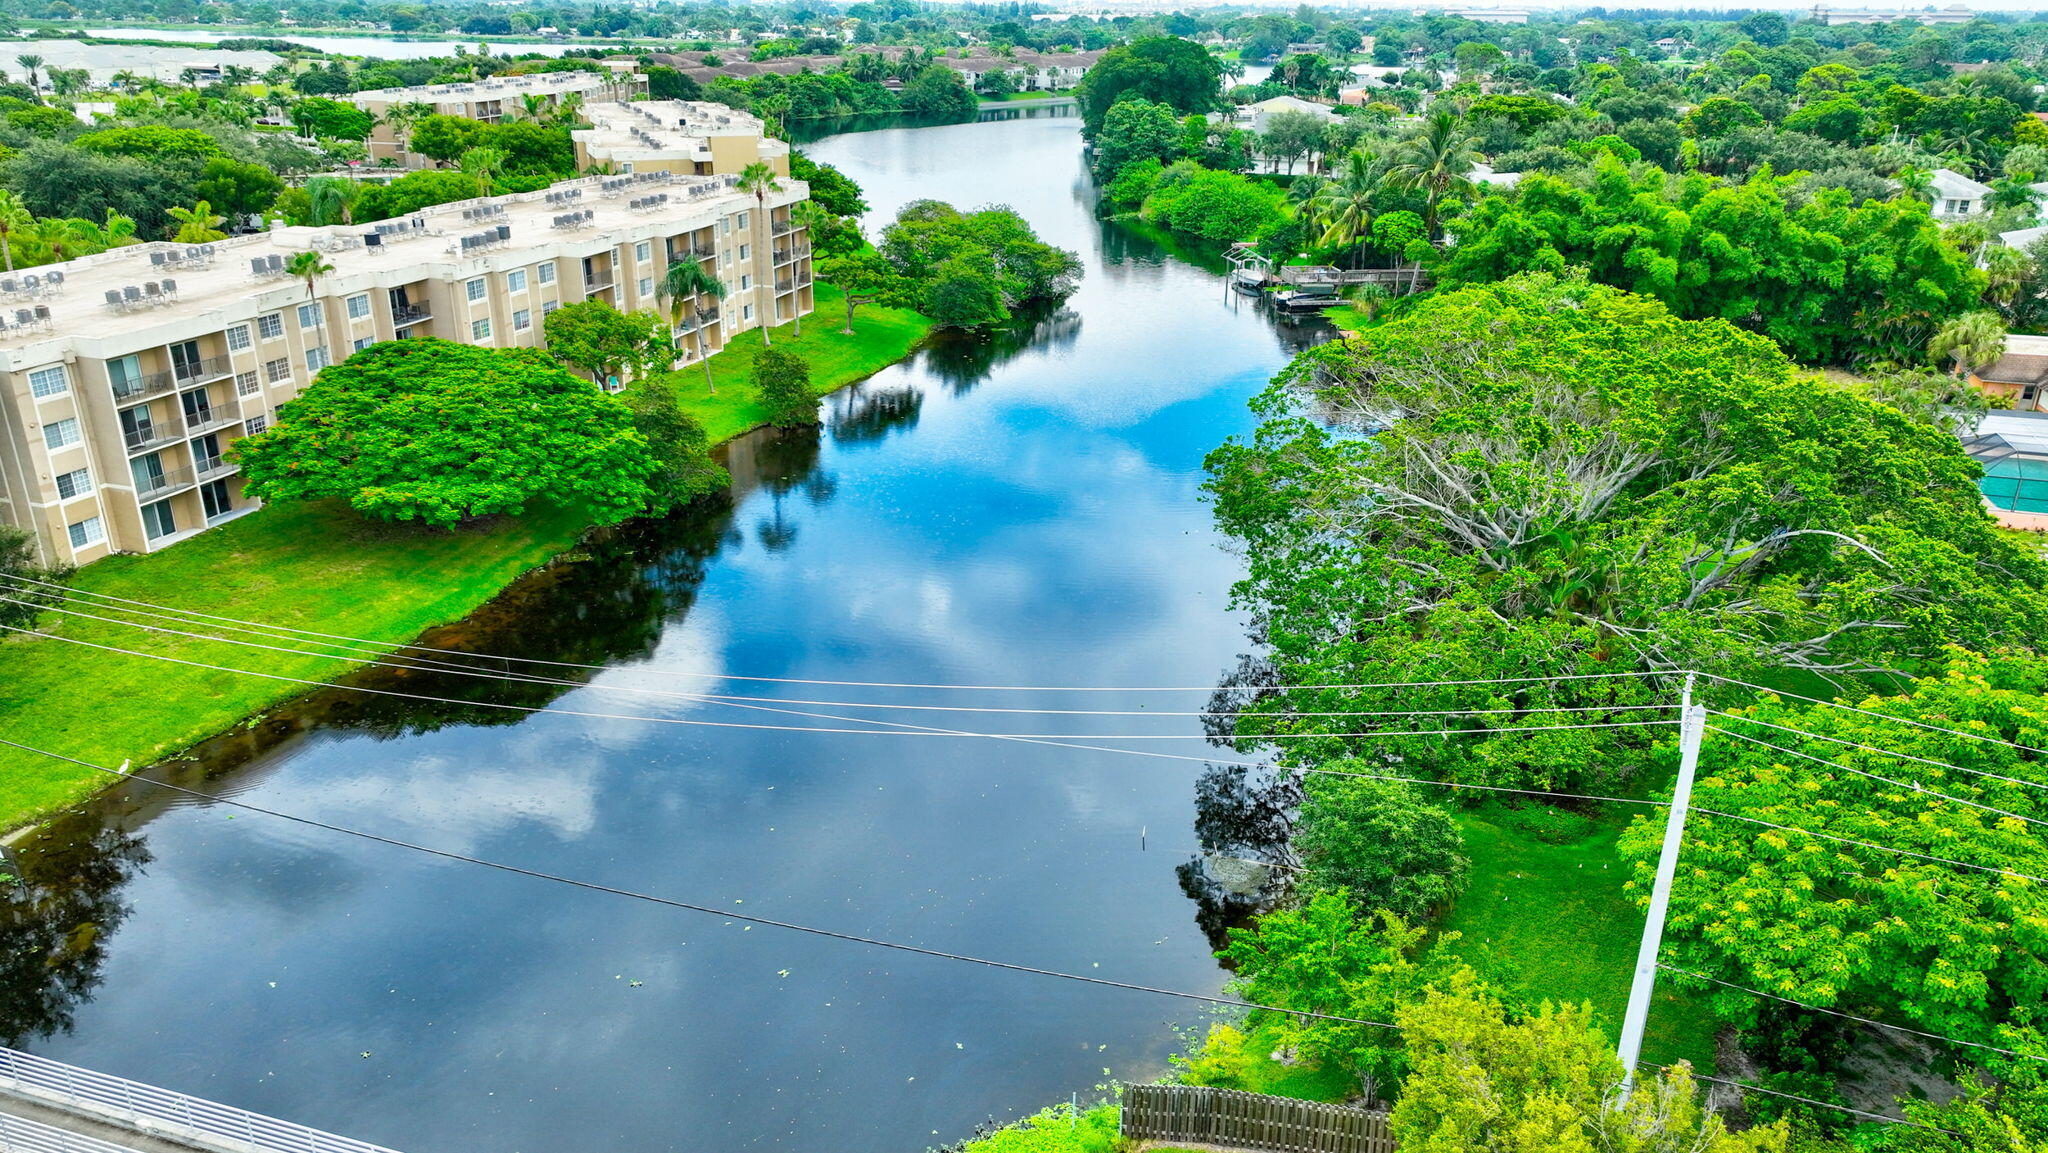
(21, 1135)
(148, 1109)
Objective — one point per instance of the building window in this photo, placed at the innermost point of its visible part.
(549, 306)
(258, 424)
(277, 370)
(515, 280)
(270, 327)
(61, 433)
(309, 315)
(316, 359)
(88, 531)
(362, 342)
(746, 312)
(522, 320)
(48, 382)
(245, 384)
(158, 520)
(746, 282)
(359, 306)
(643, 250)
(475, 289)
(238, 338)
(480, 329)
(75, 483)
(746, 250)
(742, 226)
(547, 272)
(646, 287)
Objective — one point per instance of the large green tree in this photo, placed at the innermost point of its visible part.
(1544, 476)
(1826, 916)
(1168, 69)
(438, 432)
(18, 560)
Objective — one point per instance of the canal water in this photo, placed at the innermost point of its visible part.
(1022, 510)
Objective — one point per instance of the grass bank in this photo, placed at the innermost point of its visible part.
(319, 567)
(1545, 914)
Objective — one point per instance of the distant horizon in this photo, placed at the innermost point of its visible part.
(1133, 7)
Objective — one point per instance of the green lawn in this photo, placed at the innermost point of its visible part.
(1553, 920)
(317, 568)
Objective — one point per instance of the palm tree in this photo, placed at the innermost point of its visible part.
(569, 109)
(1435, 161)
(2005, 273)
(2010, 192)
(534, 105)
(1969, 340)
(32, 63)
(482, 164)
(197, 224)
(309, 267)
(1914, 184)
(1344, 207)
(759, 179)
(1304, 189)
(332, 198)
(14, 218)
(686, 281)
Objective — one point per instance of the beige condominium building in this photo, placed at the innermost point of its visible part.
(125, 376)
(687, 137)
(490, 101)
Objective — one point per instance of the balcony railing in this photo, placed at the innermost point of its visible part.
(143, 387)
(208, 467)
(597, 283)
(153, 434)
(784, 226)
(207, 368)
(149, 488)
(784, 285)
(405, 314)
(210, 419)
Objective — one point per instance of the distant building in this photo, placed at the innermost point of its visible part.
(126, 375)
(1955, 14)
(689, 138)
(2019, 377)
(1957, 197)
(1258, 116)
(1484, 174)
(2013, 449)
(490, 101)
(1492, 15)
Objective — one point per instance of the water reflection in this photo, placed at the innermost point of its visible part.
(56, 919)
(1244, 815)
(1022, 509)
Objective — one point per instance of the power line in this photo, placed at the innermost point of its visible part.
(1886, 1117)
(920, 731)
(448, 667)
(1879, 751)
(671, 902)
(396, 645)
(1909, 786)
(1882, 716)
(1848, 1016)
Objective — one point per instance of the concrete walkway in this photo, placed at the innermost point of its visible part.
(51, 1127)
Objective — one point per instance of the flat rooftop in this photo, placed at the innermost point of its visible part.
(491, 87)
(662, 129)
(229, 288)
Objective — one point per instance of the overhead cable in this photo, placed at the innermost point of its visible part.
(751, 919)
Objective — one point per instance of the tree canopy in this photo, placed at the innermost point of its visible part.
(1566, 478)
(433, 431)
(1168, 69)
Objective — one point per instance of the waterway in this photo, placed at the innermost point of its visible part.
(1022, 510)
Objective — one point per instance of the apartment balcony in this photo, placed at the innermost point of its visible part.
(598, 283)
(784, 285)
(144, 387)
(784, 227)
(171, 481)
(410, 314)
(212, 419)
(153, 436)
(209, 467)
(201, 371)
(787, 255)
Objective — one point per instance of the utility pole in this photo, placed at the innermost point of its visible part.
(1692, 722)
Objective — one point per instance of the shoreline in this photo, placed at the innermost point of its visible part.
(409, 582)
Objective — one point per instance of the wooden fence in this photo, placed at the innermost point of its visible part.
(1202, 1115)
